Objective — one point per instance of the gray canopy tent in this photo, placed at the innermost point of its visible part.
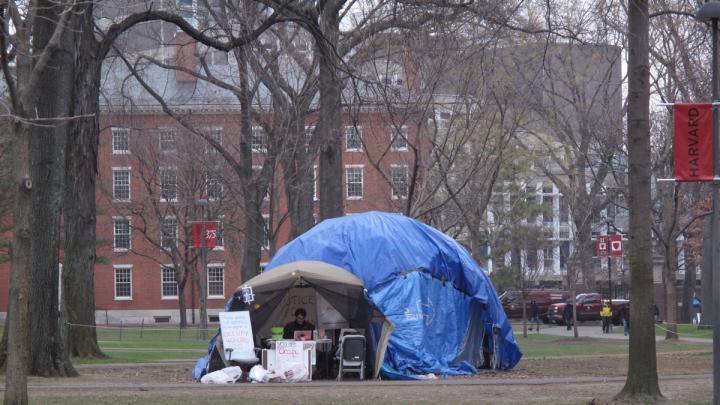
(332, 296)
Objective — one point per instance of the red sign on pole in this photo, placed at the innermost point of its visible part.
(693, 142)
(616, 246)
(602, 246)
(210, 234)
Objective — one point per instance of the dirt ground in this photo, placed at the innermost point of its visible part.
(685, 378)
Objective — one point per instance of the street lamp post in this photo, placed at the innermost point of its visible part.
(202, 203)
(711, 11)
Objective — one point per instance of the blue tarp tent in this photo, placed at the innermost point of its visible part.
(442, 309)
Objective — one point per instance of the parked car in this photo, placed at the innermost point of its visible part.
(512, 301)
(588, 309)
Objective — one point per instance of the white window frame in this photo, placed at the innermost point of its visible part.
(161, 231)
(258, 148)
(160, 139)
(392, 182)
(359, 130)
(215, 266)
(308, 134)
(129, 183)
(117, 131)
(164, 170)
(219, 183)
(347, 182)
(162, 282)
(115, 234)
(115, 281)
(393, 135)
(221, 232)
(215, 133)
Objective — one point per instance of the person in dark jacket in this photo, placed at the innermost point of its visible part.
(568, 315)
(534, 316)
(625, 314)
(298, 324)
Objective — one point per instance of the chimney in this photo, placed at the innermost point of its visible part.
(185, 57)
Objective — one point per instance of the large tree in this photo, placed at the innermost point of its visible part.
(642, 381)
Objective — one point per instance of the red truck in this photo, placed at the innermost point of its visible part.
(588, 308)
(512, 301)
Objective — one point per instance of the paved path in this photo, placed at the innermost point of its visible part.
(595, 331)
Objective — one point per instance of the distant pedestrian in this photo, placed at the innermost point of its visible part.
(606, 316)
(696, 310)
(568, 315)
(534, 316)
(625, 314)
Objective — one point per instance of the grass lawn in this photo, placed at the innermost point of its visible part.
(556, 346)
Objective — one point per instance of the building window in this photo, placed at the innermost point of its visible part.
(121, 184)
(216, 135)
(120, 141)
(168, 143)
(121, 227)
(399, 178)
(265, 242)
(547, 209)
(219, 239)
(399, 141)
(188, 11)
(213, 185)
(216, 281)
(168, 184)
(353, 138)
(168, 233)
(257, 176)
(564, 210)
(123, 282)
(258, 141)
(548, 258)
(309, 130)
(531, 260)
(169, 282)
(354, 182)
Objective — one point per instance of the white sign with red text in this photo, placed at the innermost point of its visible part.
(237, 334)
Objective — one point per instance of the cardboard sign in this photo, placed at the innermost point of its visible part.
(289, 352)
(237, 334)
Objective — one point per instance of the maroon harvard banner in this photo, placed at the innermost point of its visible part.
(210, 234)
(693, 142)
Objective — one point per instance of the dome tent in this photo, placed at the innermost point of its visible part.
(440, 304)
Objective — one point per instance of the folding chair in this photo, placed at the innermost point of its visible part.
(351, 357)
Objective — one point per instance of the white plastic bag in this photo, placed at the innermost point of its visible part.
(294, 372)
(225, 376)
(258, 374)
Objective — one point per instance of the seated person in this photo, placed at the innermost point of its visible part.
(298, 324)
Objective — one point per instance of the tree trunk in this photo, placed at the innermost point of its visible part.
(329, 127)
(16, 326)
(80, 213)
(706, 297)
(48, 355)
(583, 246)
(299, 185)
(253, 202)
(642, 381)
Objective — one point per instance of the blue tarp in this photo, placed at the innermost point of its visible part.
(441, 302)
